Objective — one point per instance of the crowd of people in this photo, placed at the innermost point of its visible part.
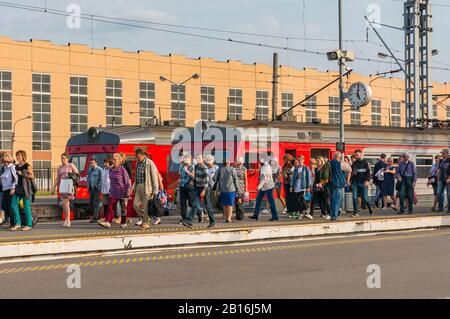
(204, 186)
(17, 191)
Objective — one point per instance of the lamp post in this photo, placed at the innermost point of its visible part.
(193, 76)
(13, 135)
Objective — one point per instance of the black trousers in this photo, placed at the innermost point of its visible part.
(6, 205)
(239, 210)
(300, 202)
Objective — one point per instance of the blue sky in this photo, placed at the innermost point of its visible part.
(291, 18)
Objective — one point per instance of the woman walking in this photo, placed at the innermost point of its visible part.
(228, 186)
(120, 189)
(300, 185)
(106, 185)
(241, 175)
(9, 181)
(288, 170)
(388, 184)
(186, 185)
(23, 192)
(64, 170)
(313, 170)
(433, 180)
(321, 182)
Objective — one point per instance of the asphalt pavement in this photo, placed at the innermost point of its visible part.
(409, 265)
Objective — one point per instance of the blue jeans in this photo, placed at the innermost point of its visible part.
(259, 198)
(196, 203)
(336, 201)
(441, 187)
(378, 195)
(359, 189)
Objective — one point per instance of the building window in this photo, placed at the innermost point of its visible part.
(235, 104)
(395, 114)
(5, 110)
(208, 103)
(355, 116)
(178, 102)
(311, 108)
(376, 112)
(287, 101)
(78, 105)
(41, 112)
(146, 102)
(113, 102)
(434, 112)
(333, 111)
(262, 105)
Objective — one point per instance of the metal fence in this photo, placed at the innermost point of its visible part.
(45, 178)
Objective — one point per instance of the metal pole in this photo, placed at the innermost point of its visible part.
(275, 87)
(341, 80)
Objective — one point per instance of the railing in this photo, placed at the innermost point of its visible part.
(45, 178)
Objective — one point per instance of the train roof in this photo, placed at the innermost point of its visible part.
(286, 132)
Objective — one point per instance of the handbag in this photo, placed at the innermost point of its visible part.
(66, 187)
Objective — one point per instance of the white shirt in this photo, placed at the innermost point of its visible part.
(266, 178)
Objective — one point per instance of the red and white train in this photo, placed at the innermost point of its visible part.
(226, 139)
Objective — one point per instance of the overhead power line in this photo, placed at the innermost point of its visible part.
(92, 17)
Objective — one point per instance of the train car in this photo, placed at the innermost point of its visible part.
(249, 139)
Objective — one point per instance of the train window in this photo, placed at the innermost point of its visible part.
(292, 152)
(100, 158)
(324, 152)
(372, 159)
(251, 160)
(79, 160)
(395, 157)
(423, 164)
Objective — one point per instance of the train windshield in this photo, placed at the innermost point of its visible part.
(100, 158)
(79, 160)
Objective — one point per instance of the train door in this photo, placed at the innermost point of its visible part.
(324, 152)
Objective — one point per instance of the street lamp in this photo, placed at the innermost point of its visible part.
(194, 76)
(13, 135)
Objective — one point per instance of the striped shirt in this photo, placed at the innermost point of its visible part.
(201, 176)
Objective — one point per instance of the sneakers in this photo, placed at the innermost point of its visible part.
(200, 218)
(104, 224)
(26, 228)
(117, 220)
(187, 223)
(156, 221)
(309, 216)
(139, 222)
(66, 224)
(355, 215)
(123, 225)
(265, 211)
(15, 228)
(180, 222)
(284, 212)
(327, 217)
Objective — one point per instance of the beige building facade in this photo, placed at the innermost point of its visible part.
(50, 92)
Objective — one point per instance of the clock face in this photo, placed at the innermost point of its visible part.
(359, 94)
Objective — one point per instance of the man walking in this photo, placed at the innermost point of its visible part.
(360, 182)
(200, 191)
(407, 176)
(146, 187)
(95, 187)
(339, 170)
(381, 164)
(443, 168)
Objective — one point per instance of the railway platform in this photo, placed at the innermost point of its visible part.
(51, 239)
